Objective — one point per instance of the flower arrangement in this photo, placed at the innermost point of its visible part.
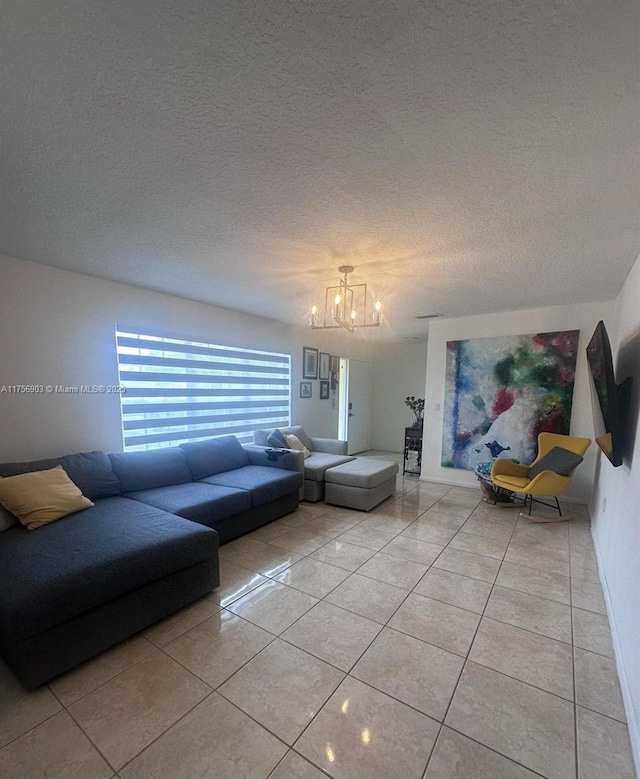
(417, 406)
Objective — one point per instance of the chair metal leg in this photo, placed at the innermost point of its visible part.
(538, 518)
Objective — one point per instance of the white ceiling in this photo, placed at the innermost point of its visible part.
(466, 156)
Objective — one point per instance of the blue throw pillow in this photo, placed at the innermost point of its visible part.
(558, 460)
(276, 439)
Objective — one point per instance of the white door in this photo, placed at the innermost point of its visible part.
(358, 405)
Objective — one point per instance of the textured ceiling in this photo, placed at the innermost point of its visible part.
(466, 156)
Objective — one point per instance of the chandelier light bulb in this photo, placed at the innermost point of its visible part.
(377, 312)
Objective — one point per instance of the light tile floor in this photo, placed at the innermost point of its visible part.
(435, 638)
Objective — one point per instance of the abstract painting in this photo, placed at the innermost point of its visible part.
(501, 392)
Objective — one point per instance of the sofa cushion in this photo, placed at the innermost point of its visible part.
(89, 558)
(91, 472)
(199, 502)
(363, 472)
(147, 470)
(215, 455)
(316, 465)
(264, 484)
(41, 497)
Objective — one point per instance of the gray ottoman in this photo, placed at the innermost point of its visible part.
(360, 484)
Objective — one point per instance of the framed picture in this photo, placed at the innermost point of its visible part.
(309, 363)
(324, 390)
(305, 389)
(323, 372)
(334, 363)
(334, 380)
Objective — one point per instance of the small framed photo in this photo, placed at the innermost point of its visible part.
(309, 363)
(305, 389)
(334, 363)
(323, 372)
(324, 390)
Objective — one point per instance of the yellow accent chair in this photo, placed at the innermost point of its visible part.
(547, 484)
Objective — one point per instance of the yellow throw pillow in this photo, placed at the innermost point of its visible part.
(42, 496)
(293, 442)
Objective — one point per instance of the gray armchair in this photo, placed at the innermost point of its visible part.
(325, 453)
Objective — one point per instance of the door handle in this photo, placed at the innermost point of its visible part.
(350, 414)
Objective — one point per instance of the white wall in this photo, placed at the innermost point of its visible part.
(616, 529)
(57, 327)
(583, 317)
(398, 371)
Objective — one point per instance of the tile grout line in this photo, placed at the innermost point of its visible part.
(481, 617)
(91, 741)
(464, 664)
(530, 685)
(440, 723)
(29, 730)
(386, 625)
(466, 659)
(348, 674)
(213, 690)
(495, 751)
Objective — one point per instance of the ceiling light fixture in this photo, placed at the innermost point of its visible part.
(346, 304)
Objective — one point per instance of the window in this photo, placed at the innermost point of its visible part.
(178, 391)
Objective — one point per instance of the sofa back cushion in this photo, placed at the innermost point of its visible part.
(147, 470)
(91, 472)
(7, 519)
(260, 437)
(216, 455)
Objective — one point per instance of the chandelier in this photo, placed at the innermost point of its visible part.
(346, 305)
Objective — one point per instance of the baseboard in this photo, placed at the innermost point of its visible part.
(454, 483)
(633, 721)
(574, 501)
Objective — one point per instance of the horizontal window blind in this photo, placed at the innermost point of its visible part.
(177, 391)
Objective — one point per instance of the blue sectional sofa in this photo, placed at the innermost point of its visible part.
(149, 546)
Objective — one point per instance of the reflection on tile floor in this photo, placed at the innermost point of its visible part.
(433, 638)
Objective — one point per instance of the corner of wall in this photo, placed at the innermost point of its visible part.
(615, 514)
